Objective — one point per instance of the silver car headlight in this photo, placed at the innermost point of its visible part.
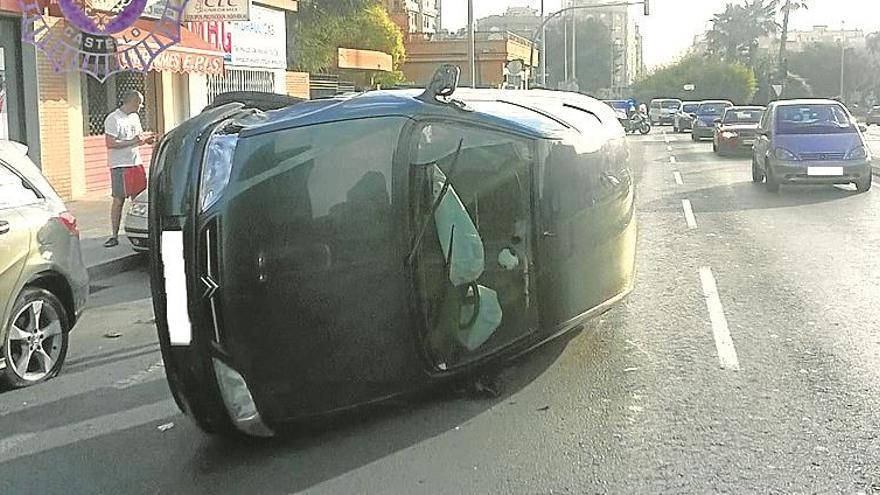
(138, 210)
(216, 168)
(859, 153)
(238, 401)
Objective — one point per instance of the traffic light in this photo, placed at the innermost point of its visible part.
(647, 7)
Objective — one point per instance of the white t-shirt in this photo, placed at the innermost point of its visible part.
(123, 126)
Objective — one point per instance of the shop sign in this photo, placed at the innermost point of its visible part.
(260, 42)
(183, 62)
(97, 37)
(217, 10)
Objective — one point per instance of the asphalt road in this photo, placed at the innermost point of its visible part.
(746, 361)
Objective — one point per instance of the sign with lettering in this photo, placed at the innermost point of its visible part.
(217, 10)
(98, 37)
(260, 42)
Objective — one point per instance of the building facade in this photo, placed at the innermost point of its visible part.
(415, 16)
(493, 54)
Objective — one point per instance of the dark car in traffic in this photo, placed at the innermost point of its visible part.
(44, 284)
(340, 252)
(810, 142)
(736, 132)
(684, 119)
(873, 117)
(707, 115)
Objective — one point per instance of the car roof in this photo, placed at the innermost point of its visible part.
(715, 101)
(747, 107)
(15, 154)
(531, 112)
(806, 101)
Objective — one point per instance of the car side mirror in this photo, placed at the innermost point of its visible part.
(717, 121)
(863, 127)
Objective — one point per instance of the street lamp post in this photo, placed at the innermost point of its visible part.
(472, 62)
(842, 56)
(534, 40)
(543, 49)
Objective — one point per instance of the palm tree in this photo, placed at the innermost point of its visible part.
(735, 32)
(787, 9)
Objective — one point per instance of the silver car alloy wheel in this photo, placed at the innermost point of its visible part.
(34, 341)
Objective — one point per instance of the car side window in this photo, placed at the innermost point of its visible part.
(14, 190)
(765, 120)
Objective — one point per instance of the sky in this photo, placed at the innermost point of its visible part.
(671, 28)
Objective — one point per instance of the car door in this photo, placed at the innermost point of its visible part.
(15, 234)
(762, 140)
(472, 256)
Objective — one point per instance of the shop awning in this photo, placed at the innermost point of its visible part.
(191, 54)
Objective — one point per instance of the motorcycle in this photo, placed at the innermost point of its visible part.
(638, 123)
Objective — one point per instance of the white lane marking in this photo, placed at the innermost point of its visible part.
(723, 342)
(689, 213)
(669, 148)
(25, 444)
(678, 179)
(672, 159)
(666, 137)
(82, 382)
(141, 376)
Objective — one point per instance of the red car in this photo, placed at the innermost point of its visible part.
(736, 130)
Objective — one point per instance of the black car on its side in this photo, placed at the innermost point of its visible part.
(340, 252)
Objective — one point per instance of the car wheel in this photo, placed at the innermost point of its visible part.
(714, 146)
(693, 136)
(772, 182)
(864, 185)
(757, 174)
(35, 339)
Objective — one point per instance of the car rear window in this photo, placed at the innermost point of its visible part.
(712, 108)
(690, 107)
(670, 104)
(743, 116)
(813, 119)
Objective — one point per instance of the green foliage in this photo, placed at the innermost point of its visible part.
(735, 31)
(593, 54)
(326, 26)
(712, 79)
(819, 66)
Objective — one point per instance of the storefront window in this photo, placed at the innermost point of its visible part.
(102, 98)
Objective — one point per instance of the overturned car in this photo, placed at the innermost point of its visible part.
(340, 252)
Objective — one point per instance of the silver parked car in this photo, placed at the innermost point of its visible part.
(43, 281)
(136, 223)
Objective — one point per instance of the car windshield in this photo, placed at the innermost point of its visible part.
(749, 116)
(619, 104)
(712, 108)
(670, 105)
(813, 119)
(690, 107)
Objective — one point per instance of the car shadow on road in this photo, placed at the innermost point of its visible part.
(747, 195)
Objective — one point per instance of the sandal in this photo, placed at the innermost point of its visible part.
(111, 242)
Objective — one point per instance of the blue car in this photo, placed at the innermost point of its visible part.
(708, 114)
(810, 142)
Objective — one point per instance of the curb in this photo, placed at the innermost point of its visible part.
(116, 266)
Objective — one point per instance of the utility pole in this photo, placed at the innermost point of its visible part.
(574, 76)
(472, 62)
(543, 50)
(842, 57)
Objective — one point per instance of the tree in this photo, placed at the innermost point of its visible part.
(819, 66)
(787, 9)
(325, 26)
(711, 78)
(593, 54)
(736, 31)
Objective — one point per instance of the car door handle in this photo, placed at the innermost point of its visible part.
(4, 227)
(549, 234)
(611, 179)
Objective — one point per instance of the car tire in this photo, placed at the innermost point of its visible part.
(757, 174)
(715, 147)
(771, 183)
(49, 336)
(693, 137)
(865, 184)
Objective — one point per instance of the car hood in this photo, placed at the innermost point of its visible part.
(818, 143)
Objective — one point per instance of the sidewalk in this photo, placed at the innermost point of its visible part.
(93, 218)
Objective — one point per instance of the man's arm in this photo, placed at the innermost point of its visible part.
(114, 143)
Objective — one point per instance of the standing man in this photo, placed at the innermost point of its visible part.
(123, 134)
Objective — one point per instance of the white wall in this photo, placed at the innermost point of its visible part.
(198, 93)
